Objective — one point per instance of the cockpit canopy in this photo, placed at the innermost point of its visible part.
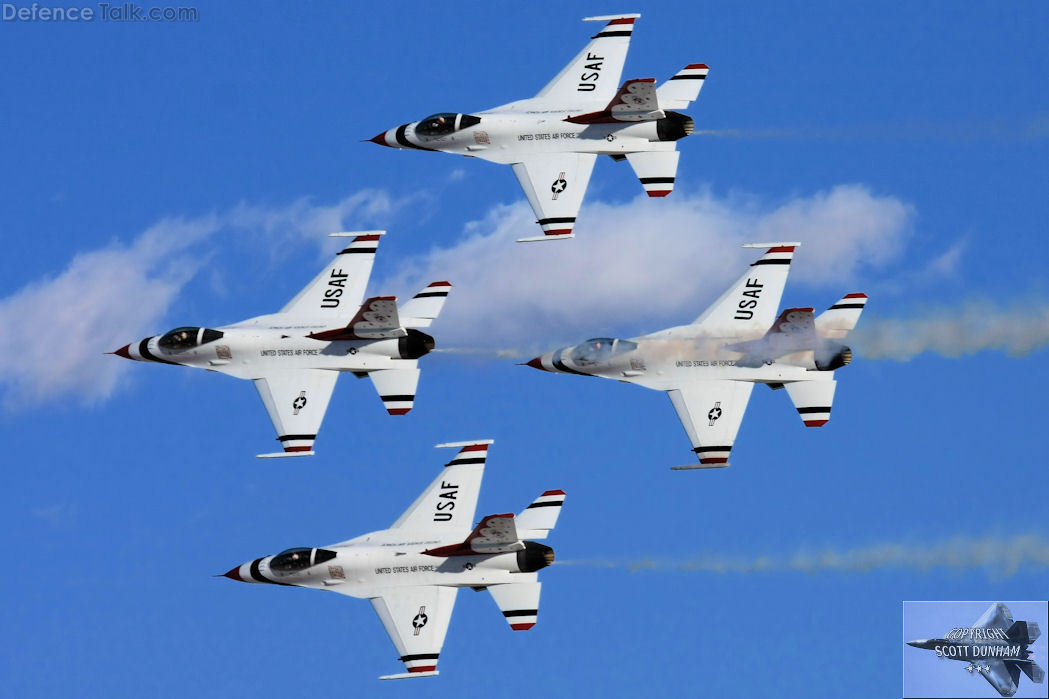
(599, 349)
(299, 559)
(187, 337)
(445, 123)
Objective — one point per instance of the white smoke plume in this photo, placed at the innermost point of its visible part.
(1034, 129)
(955, 332)
(999, 557)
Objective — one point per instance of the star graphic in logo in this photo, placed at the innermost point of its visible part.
(299, 403)
(420, 620)
(714, 413)
(610, 137)
(559, 185)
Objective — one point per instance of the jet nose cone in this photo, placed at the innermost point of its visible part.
(233, 574)
(380, 139)
(535, 363)
(123, 352)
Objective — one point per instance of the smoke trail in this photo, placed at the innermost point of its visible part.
(1000, 557)
(976, 327)
(1033, 129)
(487, 352)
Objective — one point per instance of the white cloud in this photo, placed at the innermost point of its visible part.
(57, 329)
(643, 264)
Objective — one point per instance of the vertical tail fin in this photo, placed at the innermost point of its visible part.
(839, 319)
(539, 518)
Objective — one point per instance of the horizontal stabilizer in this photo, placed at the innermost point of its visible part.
(813, 399)
(839, 319)
(519, 603)
(377, 318)
(493, 534)
(1033, 670)
(683, 88)
(284, 454)
(424, 307)
(635, 101)
(657, 170)
(396, 388)
(539, 518)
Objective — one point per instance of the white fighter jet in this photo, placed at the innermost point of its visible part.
(553, 139)
(294, 356)
(412, 571)
(710, 366)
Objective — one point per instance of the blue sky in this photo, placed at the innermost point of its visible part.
(157, 175)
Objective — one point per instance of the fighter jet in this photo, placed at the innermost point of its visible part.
(995, 646)
(412, 571)
(710, 366)
(294, 356)
(553, 139)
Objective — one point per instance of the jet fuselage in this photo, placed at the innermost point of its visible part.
(260, 345)
(507, 136)
(650, 360)
(364, 566)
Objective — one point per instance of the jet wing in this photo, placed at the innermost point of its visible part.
(296, 402)
(335, 294)
(1002, 675)
(711, 412)
(593, 75)
(750, 304)
(416, 618)
(449, 502)
(555, 184)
